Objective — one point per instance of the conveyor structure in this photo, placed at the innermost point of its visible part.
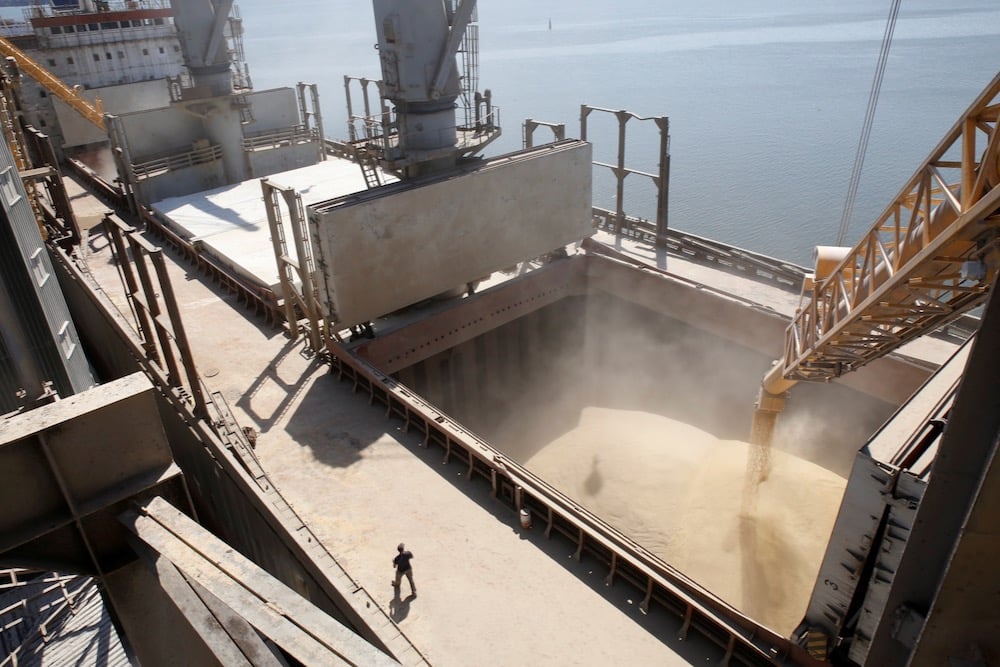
(929, 257)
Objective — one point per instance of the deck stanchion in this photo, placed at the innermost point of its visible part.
(730, 647)
(644, 605)
(686, 625)
(610, 579)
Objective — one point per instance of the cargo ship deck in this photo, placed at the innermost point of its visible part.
(489, 589)
(488, 592)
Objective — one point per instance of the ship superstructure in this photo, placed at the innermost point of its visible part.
(126, 54)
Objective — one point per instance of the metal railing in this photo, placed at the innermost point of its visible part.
(286, 136)
(39, 10)
(379, 127)
(16, 29)
(159, 166)
(755, 266)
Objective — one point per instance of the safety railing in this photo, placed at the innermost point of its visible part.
(286, 136)
(40, 10)
(756, 266)
(15, 29)
(378, 127)
(158, 166)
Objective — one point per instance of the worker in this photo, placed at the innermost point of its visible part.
(402, 564)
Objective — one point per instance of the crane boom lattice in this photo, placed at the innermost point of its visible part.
(929, 257)
(71, 96)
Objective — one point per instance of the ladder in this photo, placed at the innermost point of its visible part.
(307, 299)
(307, 267)
(285, 275)
(242, 102)
(470, 74)
(369, 167)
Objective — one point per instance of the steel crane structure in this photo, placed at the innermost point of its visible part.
(71, 96)
(929, 257)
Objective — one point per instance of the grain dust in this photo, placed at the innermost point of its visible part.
(678, 491)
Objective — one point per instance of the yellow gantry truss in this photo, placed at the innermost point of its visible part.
(929, 257)
(71, 96)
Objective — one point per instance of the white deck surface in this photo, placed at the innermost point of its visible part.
(231, 221)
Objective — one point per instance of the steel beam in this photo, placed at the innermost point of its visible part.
(71, 466)
(302, 630)
(948, 571)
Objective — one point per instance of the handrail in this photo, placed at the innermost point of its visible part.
(44, 11)
(295, 134)
(190, 158)
(761, 268)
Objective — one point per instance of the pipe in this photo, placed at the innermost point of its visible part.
(771, 399)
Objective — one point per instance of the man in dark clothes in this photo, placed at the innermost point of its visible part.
(402, 564)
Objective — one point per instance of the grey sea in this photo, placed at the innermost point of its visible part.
(766, 98)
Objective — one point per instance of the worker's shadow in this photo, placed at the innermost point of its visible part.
(399, 608)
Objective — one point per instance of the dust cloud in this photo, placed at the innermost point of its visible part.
(640, 418)
(677, 490)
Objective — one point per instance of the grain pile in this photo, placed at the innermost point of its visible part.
(677, 491)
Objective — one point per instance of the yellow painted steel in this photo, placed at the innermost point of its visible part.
(931, 256)
(817, 644)
(71, 96)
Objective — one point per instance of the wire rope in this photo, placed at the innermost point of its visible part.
(859, 158)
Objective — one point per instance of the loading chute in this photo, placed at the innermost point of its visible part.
(928, 258)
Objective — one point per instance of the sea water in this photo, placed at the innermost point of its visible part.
(766, 98)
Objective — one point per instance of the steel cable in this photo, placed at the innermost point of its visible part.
(859, 158)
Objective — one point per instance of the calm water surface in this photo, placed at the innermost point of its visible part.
(766, 98)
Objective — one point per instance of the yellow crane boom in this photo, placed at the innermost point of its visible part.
(930, 256)
(71, 96)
